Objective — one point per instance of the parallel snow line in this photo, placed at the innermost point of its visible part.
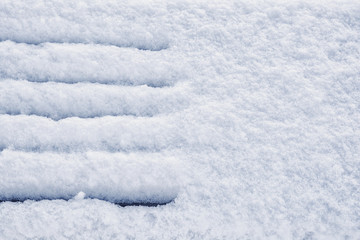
(120, 204)
(126, 24)
(159, 83)
(53, 22)
(58, 100)
(116, 177)
(141, 47)
(33, 133)
(72, 63)
(116, 30)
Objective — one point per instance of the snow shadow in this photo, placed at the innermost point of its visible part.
(120, 204)
(143, 47)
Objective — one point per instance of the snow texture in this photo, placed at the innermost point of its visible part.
(58, 100)
(72, 63)
(243, 115)
(32, 133)
(115, 177)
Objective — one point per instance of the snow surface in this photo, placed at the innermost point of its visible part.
(72, 63)
(139, 178)
(59, 100)
(245, 115)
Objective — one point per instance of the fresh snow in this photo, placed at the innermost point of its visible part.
(236, 119)
(115, 177)
(87, 100)
(73, 63)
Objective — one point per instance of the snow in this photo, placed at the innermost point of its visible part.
(115, 177)
(244, 116)
(87, 100)
(110, 23)
(31, 133)
(73, 63)
(80, 196)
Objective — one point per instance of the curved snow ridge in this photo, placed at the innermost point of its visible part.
(123, 133)
(72, 63)
(58, 100)
(146, 178)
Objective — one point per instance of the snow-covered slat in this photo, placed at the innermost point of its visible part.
(118, 23)
(86, 100)
(115, 177)
(127, 133)
(72, 63)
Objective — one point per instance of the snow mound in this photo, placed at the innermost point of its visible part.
(115, 177)
(80, 196)
(85, 100)
(82, 22)
(31, 133)
(72, 63)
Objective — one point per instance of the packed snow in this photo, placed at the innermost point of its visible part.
(87, 100)
(140, 178)
(240, 119)
(31, 133)
(73, 63)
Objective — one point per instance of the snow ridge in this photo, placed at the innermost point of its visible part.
(263, 141)
(81, 22)
(128, 133)
(115, 177)
(85, 100)
(73, 63)
(93, 112)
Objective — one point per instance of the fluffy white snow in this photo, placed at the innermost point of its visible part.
(249, 117)
(86, 100)
(72, 63)
(115, 177)
(28, 133)
(111, 23)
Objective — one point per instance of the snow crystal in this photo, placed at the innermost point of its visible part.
(80, 196)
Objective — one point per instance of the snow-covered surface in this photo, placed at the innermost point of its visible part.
(60, 100)
(245, 113)
(73, 63)
(139, 178)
